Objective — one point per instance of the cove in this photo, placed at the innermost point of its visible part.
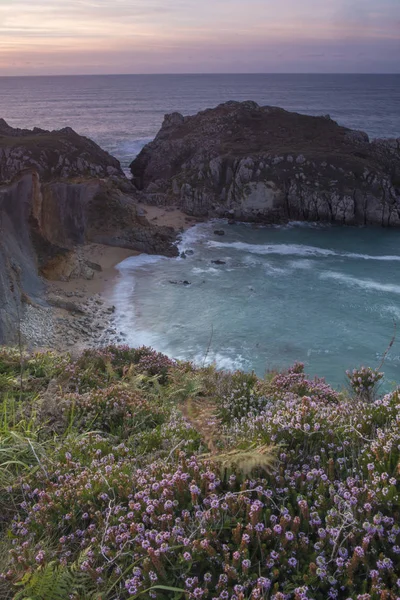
(264, 297)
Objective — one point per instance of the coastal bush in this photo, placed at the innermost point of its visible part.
(98, 367)
(363, 381)
(23, 373)
(294, 380)
(125, 503)
(115, 409)
(240, 397)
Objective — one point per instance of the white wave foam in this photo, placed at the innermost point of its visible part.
(302, 264)
(296, 250)
(305, 225)
(209, 270)
(386, 258)
(219, 359)
(281, 249)
(142, 260)
(270, 270)
(138, 337)
(133, 147)
(194, 235)
(366, 284)
(394, 311)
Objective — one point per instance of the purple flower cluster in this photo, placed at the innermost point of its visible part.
(115, 409)
(147, 512)
(247, 539)
(363, 381)
(296, 382)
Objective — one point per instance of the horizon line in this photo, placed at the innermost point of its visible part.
(195, 74)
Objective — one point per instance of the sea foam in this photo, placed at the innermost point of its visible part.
(366, 284)
(137, 262)
(296, 250)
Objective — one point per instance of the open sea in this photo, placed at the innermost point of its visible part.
(328, 296)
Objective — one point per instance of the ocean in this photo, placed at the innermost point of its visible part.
(124, 112)
(327, 296)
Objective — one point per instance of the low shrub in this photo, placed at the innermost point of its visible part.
(133, 498)
(363, 381)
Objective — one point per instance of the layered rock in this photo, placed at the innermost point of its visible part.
(265, 164)
(18, 266)
(58, 192)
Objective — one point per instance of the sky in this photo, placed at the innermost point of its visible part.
(47, 37)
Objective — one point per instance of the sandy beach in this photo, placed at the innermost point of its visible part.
(80, 313)
(108, 257)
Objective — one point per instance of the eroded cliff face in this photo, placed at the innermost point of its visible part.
(18, 268)
(58, 192)
(265, 164)
(42, 227)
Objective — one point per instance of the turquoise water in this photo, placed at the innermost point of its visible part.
(327, 296)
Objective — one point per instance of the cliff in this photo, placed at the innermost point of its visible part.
(265, 164)
(55, 198)
(53, 154)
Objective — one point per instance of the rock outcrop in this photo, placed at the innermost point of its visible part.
(59, 154)
(265, 164)
(58, 192)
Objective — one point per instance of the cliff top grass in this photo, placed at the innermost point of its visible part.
(10, 136)
(125, 474)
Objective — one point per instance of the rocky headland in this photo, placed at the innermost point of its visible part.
(60, 192)
(265, 164)
(61, 195)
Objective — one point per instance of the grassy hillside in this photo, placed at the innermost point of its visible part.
(126, 475)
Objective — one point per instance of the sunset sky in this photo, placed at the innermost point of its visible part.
(208, 36)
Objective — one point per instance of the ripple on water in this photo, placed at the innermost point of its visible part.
(324, 295)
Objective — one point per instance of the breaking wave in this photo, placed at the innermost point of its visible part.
(296, 250)
(366, 284)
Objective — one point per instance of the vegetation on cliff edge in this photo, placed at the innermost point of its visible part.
(125, 474)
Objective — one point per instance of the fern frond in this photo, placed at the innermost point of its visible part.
(261, 458)
(55, 582)
(202, 415)
(7, 381)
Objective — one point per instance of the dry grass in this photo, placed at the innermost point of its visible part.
(202, 415)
